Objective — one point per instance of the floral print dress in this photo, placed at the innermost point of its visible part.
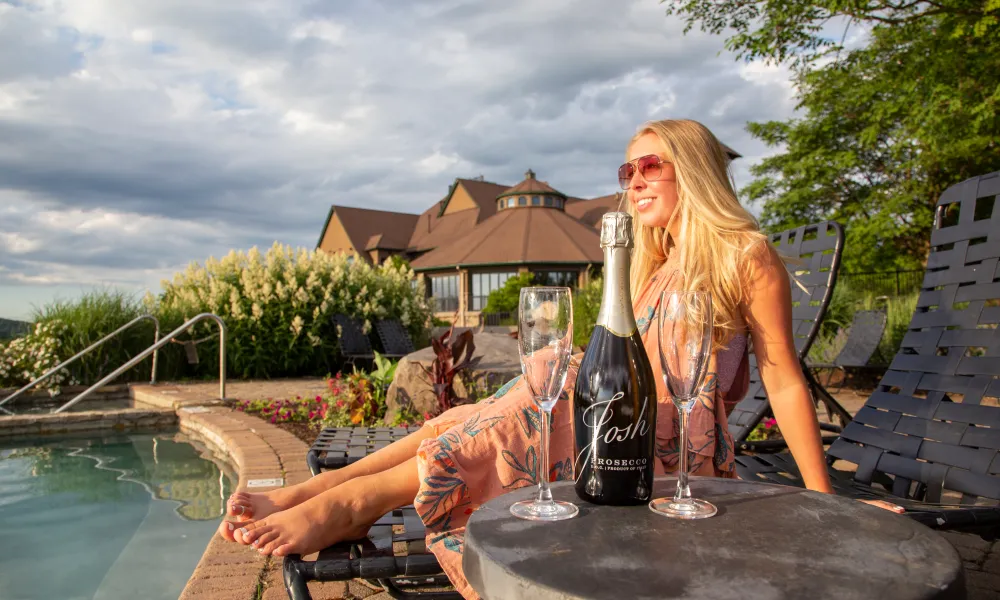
(483, 450)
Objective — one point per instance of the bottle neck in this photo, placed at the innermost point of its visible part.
(616, 305)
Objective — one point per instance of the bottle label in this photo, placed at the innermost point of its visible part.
(597, 417)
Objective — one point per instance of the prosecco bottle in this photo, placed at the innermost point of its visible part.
(614, 408)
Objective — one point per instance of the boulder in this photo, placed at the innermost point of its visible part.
(500, 362)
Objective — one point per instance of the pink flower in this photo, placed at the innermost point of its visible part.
(319, 398)
(240, 408)
(769, 423)
(427, 416)
(274, 419)
(340, 404)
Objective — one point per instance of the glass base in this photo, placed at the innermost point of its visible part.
(534, 510)
(691, 508)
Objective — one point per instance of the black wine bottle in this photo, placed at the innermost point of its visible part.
(614, 408)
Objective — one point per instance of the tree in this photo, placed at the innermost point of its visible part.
(885, 128)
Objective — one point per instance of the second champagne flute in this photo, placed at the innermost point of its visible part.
(685, 327)
(545, 342)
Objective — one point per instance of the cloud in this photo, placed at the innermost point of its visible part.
(138, 136)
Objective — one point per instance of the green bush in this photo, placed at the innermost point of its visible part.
(91, 317)
(506, 298)
(278, 307)
(586, 305)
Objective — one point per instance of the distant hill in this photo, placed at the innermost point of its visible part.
(11, 329)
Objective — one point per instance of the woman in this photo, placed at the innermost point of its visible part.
(691, 233)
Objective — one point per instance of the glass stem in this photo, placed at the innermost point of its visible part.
(683, 491)
(544, 493)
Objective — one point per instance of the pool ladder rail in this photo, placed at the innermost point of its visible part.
(154, 350)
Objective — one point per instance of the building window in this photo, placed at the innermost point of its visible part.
(522, 201)
(444, 292)
(536, 201)
(483, 284)
(510, 202)
(559, 278)
(548, 201)
(499, 204)
(559, 202)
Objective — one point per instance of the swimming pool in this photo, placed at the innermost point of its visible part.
(105, 517)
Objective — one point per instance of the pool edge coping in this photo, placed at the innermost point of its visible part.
(257, 451)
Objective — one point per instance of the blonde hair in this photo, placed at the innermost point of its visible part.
(716, 233)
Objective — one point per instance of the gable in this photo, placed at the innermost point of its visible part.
(460, 200)
(335, 238)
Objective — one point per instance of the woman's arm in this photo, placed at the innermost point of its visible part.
(768, 312)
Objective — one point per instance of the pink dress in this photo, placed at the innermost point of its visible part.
(483, 450)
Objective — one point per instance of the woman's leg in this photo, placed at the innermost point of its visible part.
(341, 513)
(244, 506)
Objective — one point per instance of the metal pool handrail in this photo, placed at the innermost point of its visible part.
(53, 370)
(170, 336)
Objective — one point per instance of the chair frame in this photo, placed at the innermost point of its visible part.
(823, 243)
(913, 442)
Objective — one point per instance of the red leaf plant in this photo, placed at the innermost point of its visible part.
(453, 356)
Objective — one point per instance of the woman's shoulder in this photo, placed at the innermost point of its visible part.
(762, 267)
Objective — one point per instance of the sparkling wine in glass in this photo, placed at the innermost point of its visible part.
(685, 324)
(545, 343)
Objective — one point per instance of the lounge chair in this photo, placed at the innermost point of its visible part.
(352, 343)
(396, 341)
(928, 438)
(863, 339)
(397, 560)
(815, 252)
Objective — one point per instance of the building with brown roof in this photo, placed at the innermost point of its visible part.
(478, 236)
(475, 238)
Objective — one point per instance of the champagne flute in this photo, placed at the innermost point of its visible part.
(545, 342)
(685, 324)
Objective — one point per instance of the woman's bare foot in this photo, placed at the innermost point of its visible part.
(308, 527)
(244, 506)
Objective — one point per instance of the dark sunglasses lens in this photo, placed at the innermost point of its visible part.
(649, 166)
(625, 173)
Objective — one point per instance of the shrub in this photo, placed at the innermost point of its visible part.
(586, 305)
(94, 315)
(506, 298)
(278, 307)
(26, 358)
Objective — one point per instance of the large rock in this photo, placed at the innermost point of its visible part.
(499, 363)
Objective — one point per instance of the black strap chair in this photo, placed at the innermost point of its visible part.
(353, 344)
(396, 341)
(393, 554)
(863, 339)
(814, 252)
(928, 438)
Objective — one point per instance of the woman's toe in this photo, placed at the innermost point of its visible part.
(246, 532)
(264, 539)
(239, 507)
(226, 530)
(283, 550)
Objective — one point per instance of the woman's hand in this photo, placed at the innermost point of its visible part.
(886, 505)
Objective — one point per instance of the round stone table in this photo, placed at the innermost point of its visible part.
(767, 542)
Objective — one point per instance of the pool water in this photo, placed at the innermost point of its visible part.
(101, 518)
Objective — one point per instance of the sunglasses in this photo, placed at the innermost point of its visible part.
(649, 166)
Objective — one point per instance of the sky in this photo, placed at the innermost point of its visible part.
(139, 136)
